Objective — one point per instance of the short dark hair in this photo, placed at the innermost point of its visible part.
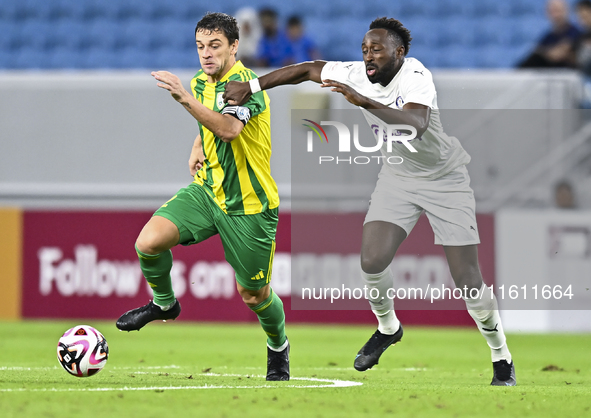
(219, 22)
(296, 21)
(268, 12)
(398, 32)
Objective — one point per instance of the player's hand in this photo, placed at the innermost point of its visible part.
(350, 94)
(196, 160)
(237, 93)
(172, 83)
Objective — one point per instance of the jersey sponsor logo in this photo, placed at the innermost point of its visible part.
(419, 72)
(399, 102)
(260, 275)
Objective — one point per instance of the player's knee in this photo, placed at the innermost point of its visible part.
(149, 243)
(468, 276)
(252, 297)
(374, 263)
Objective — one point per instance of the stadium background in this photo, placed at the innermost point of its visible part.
(89, 147)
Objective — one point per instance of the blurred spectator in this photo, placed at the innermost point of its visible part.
(250, 35)
(564, 197)
(302, 46)
(556, 48)
(274, 48)
(583, 46)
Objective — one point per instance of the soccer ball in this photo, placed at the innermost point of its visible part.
(82, 351)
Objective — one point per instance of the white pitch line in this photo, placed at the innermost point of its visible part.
(333, 383)
(17, 368)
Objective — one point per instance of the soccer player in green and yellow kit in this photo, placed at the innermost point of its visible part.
(233, 193)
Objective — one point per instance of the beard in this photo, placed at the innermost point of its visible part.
(384, 74)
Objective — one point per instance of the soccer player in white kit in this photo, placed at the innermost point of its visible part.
(393, 89)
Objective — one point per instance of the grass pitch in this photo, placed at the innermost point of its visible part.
(217, 370)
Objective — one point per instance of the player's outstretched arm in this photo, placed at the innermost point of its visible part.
(238, 93)
(413, 114)
(225, 127)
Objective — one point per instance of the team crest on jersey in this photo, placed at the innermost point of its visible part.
(399, 102)
(220, 100)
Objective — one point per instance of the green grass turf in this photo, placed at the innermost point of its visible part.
(431, 373)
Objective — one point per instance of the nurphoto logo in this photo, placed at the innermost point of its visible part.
(389, 132)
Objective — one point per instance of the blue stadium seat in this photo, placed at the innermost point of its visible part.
(31, 58)
(10, 38)
(128, 9)
(36, 33)
(486, 8)
(449, 8)
(347, 9)
(316, 29)
(420, 31)
(38, 9)
(457, 57)
(45, 33)
(14, 10)
(103, 33)
(172, 58)
(315, 8)
(422, 53)
(459, 31)
(65, 57)
(416, 8)
(430, 57)
(379, 8)
(531, 29)
(94, 9)
(7, 60)
(179, 34)
(72, 34)
(100, 58)
(493, 56)
(139, 33)
(491, 31)
(134, 58)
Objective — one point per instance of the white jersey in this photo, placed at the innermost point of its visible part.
(437, 153)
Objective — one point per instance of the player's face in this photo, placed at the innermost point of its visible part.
(215, 52)
(381, 55)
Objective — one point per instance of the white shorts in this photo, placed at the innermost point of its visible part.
(448, 202)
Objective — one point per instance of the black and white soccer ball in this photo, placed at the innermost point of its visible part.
(82, 351)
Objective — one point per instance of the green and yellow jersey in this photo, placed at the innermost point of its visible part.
(237, 174)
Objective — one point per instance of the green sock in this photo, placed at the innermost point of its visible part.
(272, 319)
(156, 269)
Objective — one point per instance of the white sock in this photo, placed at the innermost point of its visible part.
(382, 306)
(280, 349)
(485, 312)
(166, 307)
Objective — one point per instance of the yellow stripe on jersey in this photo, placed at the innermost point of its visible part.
(210, 150)
(239, 172)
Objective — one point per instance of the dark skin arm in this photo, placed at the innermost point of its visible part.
(418, 117)
(238, 93)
